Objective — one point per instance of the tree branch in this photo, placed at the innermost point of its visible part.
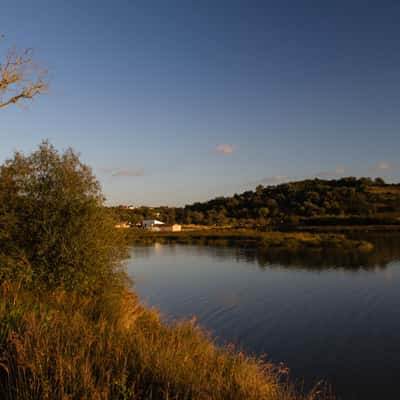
(20, 78)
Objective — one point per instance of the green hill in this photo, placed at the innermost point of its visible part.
(333, 200)
(348, 201)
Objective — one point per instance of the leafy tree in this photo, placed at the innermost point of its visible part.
(305, 199)
(263, 212)
(259, 189)
(198, 217)
(54, 227)
(221, 218)
(188, 219)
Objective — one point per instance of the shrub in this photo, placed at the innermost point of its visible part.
(54, 228)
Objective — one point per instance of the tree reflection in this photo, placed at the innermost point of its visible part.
(386, 250)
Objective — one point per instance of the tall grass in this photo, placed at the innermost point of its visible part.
(64, 346)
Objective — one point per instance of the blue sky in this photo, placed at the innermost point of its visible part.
(172, 102)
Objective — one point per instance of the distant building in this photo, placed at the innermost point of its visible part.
(158, 226)
(166, 228)
(123, 225)
(176, 228)
(150, 223)
(131, 207)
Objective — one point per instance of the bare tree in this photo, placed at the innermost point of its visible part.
(20, 78)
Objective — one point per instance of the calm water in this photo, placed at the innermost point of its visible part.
(332, 317)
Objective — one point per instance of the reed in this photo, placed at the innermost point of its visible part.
(59, 346)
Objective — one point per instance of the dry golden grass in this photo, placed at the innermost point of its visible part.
(58, 346)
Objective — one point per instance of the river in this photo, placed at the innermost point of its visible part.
(329, 317)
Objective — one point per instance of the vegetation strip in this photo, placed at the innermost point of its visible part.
(266, 240)
(345, 202)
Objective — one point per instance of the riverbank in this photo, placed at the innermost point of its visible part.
(284, 241)
(297, 308)
(54, 345)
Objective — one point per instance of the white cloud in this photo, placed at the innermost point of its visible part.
(383, 166)
(337, 172)
(125, 171)
(273, 180)
(225, 148)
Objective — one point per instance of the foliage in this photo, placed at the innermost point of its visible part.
(305, 199)
(55, 230)
(285, 204)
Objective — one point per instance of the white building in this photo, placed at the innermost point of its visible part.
(151, 223)
(166, 228)
(176, 228)
(123, 225)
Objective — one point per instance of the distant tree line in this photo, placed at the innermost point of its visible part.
(288, 203)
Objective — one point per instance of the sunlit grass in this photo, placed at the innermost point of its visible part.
(58, 346)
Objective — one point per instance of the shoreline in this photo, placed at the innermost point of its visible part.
(277, 240)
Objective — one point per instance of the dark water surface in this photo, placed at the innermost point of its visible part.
(333, 317)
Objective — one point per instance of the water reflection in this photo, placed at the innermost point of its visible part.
(327, 315)
(386, 250)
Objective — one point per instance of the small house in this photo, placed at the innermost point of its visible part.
(151, 223)
(176, 228)
(123, 225)
(166, 228)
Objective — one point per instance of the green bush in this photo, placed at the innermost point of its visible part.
(54, 228)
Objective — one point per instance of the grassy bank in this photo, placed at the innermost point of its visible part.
(284, 241)
(63, 346)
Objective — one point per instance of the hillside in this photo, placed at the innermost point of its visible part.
(347, 200)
